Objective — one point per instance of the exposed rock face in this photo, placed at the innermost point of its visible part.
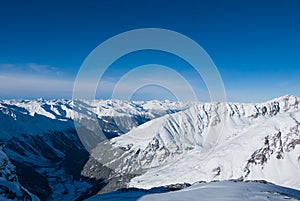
(275, 145)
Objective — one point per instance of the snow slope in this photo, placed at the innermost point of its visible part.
(212, 141)
(214, 191)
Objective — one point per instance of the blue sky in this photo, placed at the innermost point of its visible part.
(254, 44)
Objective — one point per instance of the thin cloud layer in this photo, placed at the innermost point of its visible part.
(33, 80)
(30, 69)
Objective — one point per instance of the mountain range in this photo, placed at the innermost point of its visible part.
(145, 145)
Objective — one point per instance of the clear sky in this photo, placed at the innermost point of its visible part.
(254, 44)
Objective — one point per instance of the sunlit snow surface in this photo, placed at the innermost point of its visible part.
(214, 191)
(258, 142)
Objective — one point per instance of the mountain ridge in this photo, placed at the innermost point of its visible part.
(173, 138)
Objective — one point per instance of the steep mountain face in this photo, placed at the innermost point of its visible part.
(10, 188)
(211, 142)
(40, 139)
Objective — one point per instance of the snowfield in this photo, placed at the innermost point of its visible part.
(214, 191)
(228, 191)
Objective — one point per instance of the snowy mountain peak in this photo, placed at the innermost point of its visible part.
(211, 141)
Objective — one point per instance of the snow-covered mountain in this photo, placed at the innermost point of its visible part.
(40, 139)
(212, 141)
(150, 144)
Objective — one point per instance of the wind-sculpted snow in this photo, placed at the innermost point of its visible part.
(255, 141)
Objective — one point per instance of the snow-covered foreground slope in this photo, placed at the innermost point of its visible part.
(214, 191)
(212, 141)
